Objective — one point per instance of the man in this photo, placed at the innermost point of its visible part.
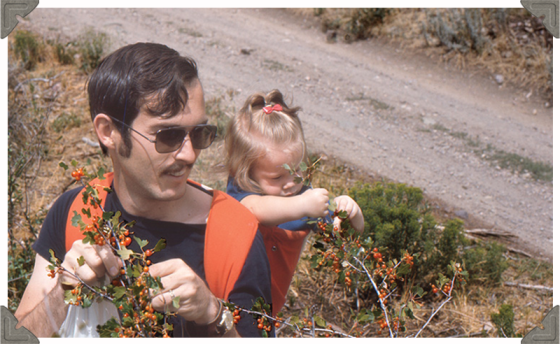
(147, 107)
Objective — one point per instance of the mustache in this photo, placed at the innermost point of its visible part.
(177, 168)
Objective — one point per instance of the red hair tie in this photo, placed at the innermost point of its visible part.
(268, 109)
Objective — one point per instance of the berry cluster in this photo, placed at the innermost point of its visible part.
(78, 174)
(53, 271)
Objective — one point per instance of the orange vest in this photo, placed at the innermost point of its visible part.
(230, 231)
(283, 248)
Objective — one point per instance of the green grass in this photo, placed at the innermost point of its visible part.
(377, 104)
(190, 32)
(515, 162)
(505, 160)
(276, 66)
(66, 121)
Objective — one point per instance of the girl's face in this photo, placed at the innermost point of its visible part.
(273, 179)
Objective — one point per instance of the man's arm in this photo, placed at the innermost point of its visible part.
(42, 306)
(42, 309)
(275, 210)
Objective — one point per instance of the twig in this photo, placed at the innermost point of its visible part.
(86, 285)
(528, 286)
(29, 80)
(20, 277)
(295, 327)
(37, 79)
(449, 297)
(378, 294)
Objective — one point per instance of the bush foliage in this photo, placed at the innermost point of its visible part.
(399, 220)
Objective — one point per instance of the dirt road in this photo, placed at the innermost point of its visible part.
(392, 114)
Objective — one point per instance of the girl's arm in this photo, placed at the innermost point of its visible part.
(275, 210)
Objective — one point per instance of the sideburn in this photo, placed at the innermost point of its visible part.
(125, 148)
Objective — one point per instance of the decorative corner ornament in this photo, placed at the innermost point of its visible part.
(550, 9)
(9, 10)
(11, 335)
(549, 334)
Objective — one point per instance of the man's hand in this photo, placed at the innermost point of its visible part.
(197, 303)
(98, 262)
(345, 203)
(315, 202)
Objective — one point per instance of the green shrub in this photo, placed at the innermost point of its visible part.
(28, 49)
(64, 53)
(504, 321)
(398, 220)
(91, 47)
(486, 263)
(356, 22)
(457, 29)
(21, 259)
(66, 121)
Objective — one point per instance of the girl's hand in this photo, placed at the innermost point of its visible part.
(345, 203)
(315, 202)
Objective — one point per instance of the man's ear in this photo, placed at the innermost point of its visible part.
(106, 132)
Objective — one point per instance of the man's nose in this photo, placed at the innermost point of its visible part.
(186, 151)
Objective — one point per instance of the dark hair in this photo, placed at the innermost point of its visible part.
(140, 76)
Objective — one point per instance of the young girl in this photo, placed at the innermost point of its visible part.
(263, 136)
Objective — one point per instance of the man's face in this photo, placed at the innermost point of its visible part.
(153, 176)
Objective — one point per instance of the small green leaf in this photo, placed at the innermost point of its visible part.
(87, 212)
(319, 321)
(101, 173)
(287, 167)
(74, 163)
(141, 243)
(86, 302)
(115, 218)
(76, 219)
(120, 292)
(332, 205)
(81, 261)
(107, 215)
(303, 166)
(53, 257)
(160, 245)
(125, 253)
(63, 165)
(176, 300)
(408, 312)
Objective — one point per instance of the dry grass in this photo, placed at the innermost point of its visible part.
(520, 49)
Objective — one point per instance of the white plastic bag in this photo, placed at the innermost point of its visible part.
(82, 322)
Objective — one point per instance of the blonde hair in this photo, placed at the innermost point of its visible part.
(251, 130)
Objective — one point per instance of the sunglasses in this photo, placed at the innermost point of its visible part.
(170, 139)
